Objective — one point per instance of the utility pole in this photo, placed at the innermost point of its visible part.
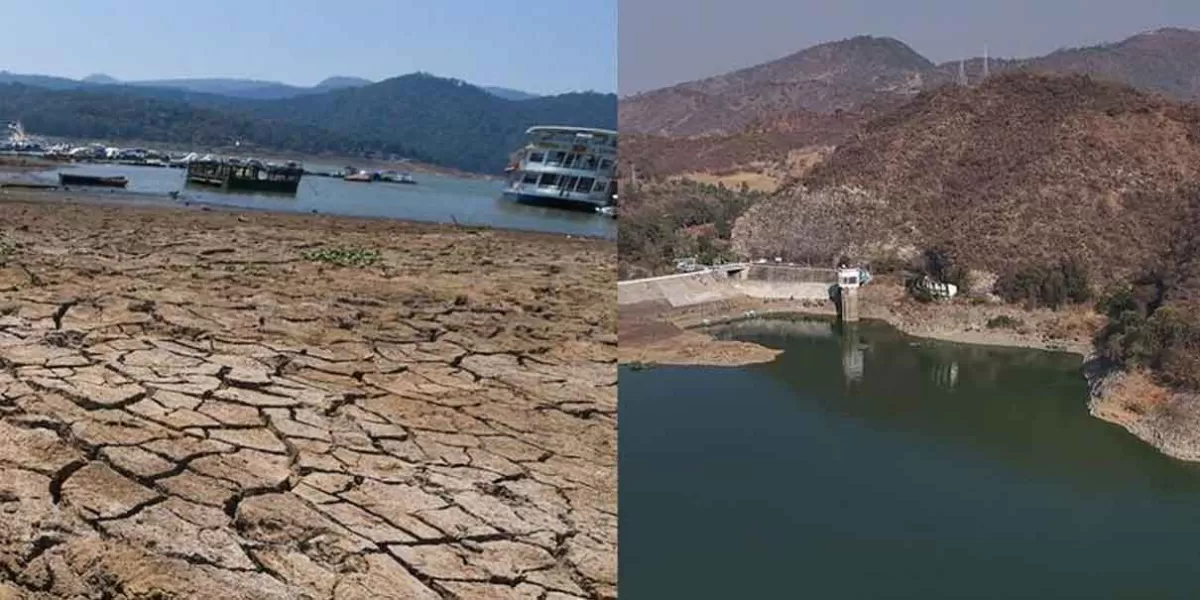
(962, 73)
(985, 62)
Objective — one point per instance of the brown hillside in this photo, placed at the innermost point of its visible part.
(845, 74)
(1166, 61)
(823, 78)
(656, 156)
(765, 143)
(1026, 168)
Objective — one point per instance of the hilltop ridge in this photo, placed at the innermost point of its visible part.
(847, 73)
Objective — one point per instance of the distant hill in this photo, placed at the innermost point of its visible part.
(509, 93)
(105, 115)
(445, 121)
(338, 82)
(236, 88)
(824, 78)
(250, 89)
(451, 121)
(848, 73)
(43, 81)
(100, 78)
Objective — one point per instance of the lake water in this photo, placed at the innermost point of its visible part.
(866, 464)
(435, 198)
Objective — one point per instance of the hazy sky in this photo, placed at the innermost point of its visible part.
(539, 47)
(663, 42)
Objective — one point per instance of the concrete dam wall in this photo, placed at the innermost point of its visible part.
(733, 281)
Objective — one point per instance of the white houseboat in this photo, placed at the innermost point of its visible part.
(565, 166)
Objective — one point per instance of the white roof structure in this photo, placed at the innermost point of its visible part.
(567, 129)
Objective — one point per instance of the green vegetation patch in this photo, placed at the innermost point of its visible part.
(1052, 286)
(1004, 322)
(7, 250)
(663, 222)
(344, 257)
(1146, 330)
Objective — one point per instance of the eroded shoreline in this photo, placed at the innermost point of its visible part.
(191, 404)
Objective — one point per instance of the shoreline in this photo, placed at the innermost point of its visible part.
(923, 325)
(1161, 418)
(152, 200)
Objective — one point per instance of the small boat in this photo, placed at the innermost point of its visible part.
(360, 176)
(118, 181)
(394, 177)
(608, 211)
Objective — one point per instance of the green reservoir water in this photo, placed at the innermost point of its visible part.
(867, 464)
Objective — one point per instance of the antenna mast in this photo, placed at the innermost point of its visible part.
(985, 61)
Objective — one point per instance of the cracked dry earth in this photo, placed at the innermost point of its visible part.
(191, 409)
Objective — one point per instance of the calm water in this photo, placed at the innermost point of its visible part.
(434, 198)
(867, 464)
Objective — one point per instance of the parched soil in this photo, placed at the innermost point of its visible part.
(656, 333)
(200, 404)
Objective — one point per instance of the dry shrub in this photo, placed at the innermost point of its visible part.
(814, 228)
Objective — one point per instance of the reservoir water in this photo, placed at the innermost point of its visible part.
(436, 198)
(863, 463)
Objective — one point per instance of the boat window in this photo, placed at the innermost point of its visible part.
(557, 158)
(599, 187)
(549, 180)
(605, 164)
(585, 184)
(568, 183)
(536, 157)
(571, 160)
(590, 163)
(530, 178)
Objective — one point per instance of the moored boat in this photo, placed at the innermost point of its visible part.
(118, 181)
(571, 167)
(394, 177)
(251, 175)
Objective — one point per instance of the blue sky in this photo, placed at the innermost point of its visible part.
(663, 42)
(541, 47)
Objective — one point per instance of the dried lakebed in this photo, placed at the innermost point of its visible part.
(189, 407)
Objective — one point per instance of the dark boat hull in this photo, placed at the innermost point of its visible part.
(551, 202)
(246, 185)
(242, 178)
(92, 180)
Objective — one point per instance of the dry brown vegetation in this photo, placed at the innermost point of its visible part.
(765, 146)
(1025, 169)
(824, 78)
